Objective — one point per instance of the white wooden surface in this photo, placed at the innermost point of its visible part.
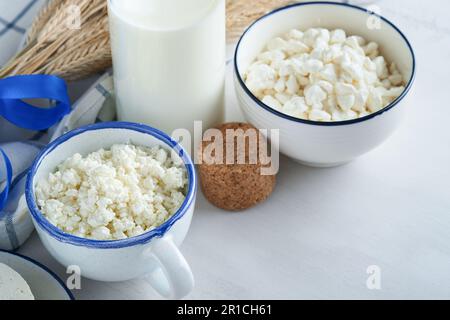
(321, 229)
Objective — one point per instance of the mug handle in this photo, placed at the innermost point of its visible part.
(173, 279)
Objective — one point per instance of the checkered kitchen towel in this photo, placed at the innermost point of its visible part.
(21, 146)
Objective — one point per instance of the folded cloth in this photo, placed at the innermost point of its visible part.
(15, 18)
(20, 146)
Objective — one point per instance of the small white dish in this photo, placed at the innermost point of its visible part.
(44, 284)
(325, 144)
(154, 254)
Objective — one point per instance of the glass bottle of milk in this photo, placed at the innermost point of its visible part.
(169, 61)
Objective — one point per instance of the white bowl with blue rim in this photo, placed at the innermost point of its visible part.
(44, 284)
(325, 144)
(154, 254)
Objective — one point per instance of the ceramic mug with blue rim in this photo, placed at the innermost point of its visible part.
(154, 254)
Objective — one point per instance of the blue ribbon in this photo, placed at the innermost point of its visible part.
(13, 91)
(4, 194)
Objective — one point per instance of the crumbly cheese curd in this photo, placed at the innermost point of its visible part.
(323, 75)
(113, 194)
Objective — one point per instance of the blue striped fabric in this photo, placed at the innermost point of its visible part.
(15, 18)
(21, 146)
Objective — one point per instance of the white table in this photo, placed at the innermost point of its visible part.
(321, 229)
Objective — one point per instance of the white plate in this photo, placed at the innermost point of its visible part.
(44, 284)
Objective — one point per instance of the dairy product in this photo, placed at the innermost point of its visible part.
(324, 75)
(113, 194)
(13, 286)
(169, 61)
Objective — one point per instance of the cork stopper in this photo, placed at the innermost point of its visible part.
(227, 181)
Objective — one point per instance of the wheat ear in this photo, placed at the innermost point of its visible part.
(57, 25)
(42, 18)
(93, 56)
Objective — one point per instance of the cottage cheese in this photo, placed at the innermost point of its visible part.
(113, 194)
(324, 75)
